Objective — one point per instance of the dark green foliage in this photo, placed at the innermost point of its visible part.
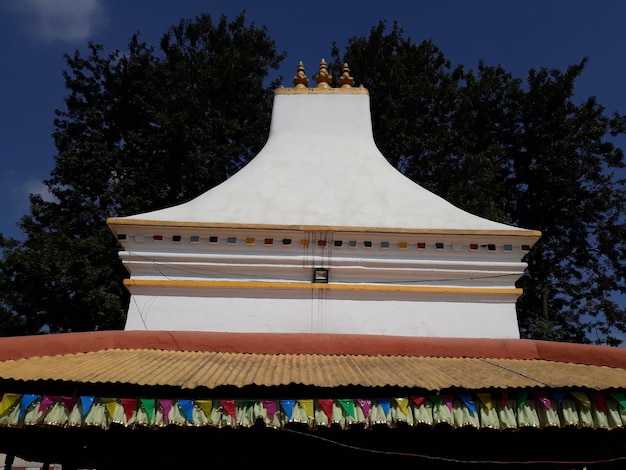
(141, 131)
(564, 184)
(519, 153)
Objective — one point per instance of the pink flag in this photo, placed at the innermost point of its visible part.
(543, 398)
(366, 405)
(166, 406)
(46, 402)
(69, 402)
(270, 407)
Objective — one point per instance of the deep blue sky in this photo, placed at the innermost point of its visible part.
(518, 34)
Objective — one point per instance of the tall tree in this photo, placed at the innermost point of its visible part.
(564, 182)
(523, 153)
(140, 131)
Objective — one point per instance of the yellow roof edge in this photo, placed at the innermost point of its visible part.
(322, 91)
(515, 232)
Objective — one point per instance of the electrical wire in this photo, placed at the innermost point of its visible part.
(458, 461)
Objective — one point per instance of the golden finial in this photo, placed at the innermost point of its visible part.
(323, 78)
(300, 80)
(345, 81)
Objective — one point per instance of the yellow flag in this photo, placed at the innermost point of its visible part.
(111, 405)
(8, 400)
(307, 405)
(582, 397)
(206, 406)
(485, 398)
(403, 404)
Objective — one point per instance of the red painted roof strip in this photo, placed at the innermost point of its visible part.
(329, 344)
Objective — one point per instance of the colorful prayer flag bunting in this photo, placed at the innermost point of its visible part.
(11, 403)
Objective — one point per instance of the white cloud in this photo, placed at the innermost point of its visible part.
(14, 203)
(37, 187)
(62, 20)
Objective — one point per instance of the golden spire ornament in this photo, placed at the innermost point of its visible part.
(323, 78)
(345, 81)
(300, 80)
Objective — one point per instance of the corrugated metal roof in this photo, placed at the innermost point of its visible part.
(194, 369)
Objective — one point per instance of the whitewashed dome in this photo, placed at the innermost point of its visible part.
(320, 167)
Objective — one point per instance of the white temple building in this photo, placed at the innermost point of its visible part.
(320, 234)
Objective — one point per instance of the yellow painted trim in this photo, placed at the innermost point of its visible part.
(310, 285)
(113, 221)
(322, 91)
